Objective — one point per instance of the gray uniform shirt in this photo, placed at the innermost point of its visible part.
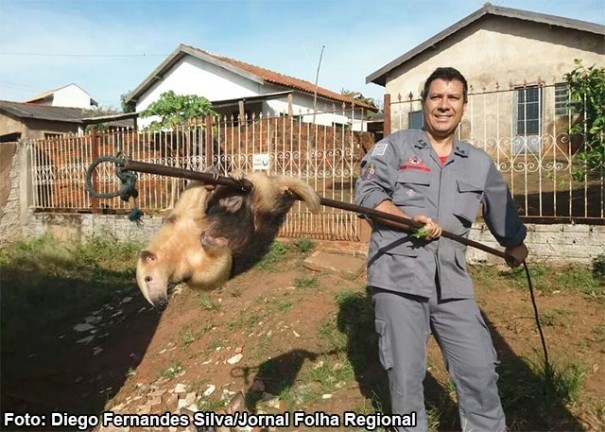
(404, 168)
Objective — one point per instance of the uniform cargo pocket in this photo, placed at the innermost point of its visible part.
(460, 257)
(467, 201)
(412, 188)
(385, 352)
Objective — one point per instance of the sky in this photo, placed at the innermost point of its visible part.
(108, 47)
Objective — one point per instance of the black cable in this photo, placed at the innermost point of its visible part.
(537, 316)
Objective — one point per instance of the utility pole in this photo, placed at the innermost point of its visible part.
(316, 82)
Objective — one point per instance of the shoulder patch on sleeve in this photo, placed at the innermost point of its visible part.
(379, 149)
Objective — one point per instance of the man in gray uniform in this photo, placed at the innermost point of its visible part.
(420, 285)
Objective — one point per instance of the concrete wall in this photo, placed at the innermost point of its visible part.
(37, 129)
(9, 126)
(10, 192)
(70, 227)
(548, 244)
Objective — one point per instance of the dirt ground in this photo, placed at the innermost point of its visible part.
(295, 339)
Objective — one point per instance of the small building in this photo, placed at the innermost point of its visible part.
(240, 89)
(70, 96)
(29, 120)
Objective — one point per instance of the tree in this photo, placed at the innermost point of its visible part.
(358, 96)
(175, 110)
(127, 107)
(587, 95)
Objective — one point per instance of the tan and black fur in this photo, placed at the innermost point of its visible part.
(212, 236)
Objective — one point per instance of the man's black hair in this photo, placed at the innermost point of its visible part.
(446, 74)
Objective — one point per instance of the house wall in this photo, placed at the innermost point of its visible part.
(72, 96)
(36, 129)
(328, 113)
(194, 76)
(9, 125)
(513, 52)
(39, 128)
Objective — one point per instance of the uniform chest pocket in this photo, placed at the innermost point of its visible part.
(412, 188)
(467, 201)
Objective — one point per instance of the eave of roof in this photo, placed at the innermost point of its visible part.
(41, 112)
(22, 110)
(263, 97)
(379, 76)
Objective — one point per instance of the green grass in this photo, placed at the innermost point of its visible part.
(285, 253)
(303, 245)
(306, 282)
(171, 371)
(329, 371)
(572, 279)
(555, 318)
(46, 283)
(207, 303)
(271, 261)
(188, 335)
(283, 305)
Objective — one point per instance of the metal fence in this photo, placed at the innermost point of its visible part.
(525, 131)
(327, 157)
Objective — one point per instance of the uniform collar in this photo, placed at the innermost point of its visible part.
(459, 148)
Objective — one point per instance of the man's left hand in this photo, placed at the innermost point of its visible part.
(516, 254)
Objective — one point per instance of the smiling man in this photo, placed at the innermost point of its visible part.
(420, 286)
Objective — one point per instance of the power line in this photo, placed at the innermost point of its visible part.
(78, 55)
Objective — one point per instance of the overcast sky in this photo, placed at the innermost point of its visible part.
(108, 47)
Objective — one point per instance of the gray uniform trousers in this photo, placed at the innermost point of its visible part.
(404, 323)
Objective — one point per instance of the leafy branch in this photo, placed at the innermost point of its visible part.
(175, 110)
(587, 94)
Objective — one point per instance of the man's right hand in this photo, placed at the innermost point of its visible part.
(433, 230)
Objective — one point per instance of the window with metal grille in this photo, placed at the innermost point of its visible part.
(415, 120)
(528, 107)
(562, 101)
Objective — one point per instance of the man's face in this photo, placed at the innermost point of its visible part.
(443, 107)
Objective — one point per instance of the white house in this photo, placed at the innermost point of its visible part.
(238, 88)
(70, 96)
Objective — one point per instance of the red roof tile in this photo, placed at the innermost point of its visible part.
(285, 80)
